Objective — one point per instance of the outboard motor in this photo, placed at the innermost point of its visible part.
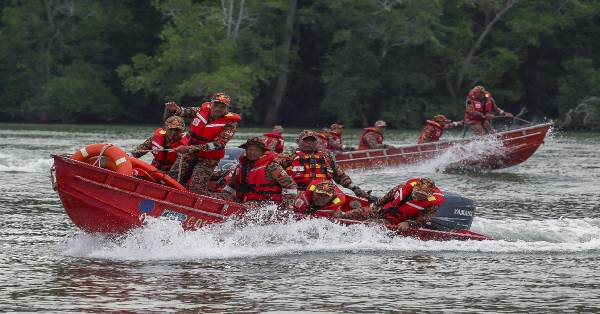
(223, 172)
(456, 212)
(231, 158)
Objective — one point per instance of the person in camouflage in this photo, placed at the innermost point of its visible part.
(434, 129)
(334, 138)
(211, 128)
(274, 139)
(480, 107)
(372, 138)
(308, 163)
(408, 205)
(163, 143)
(258, 178)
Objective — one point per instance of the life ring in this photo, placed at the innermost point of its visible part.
(116, 158)
(156, 174)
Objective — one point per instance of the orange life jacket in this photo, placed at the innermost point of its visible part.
(309, 166)
(163, 160)
(336, 138)
(435, 135)
(253, 184)
(304, 205)
(363, 141)
(203, 132)
(275, 142)
(403, 207)
(479, 106)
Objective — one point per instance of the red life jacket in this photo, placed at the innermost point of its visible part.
(254, 184)
(304, 204)
(164, 160)
(403, 207)
(434, 136)
(336, 138)
(203, 132)
(309, 166)
(275, 142)
(363, 142)
(478, 106)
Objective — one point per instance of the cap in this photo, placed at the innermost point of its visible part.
(380, 123)
(425, 185)
(324, 187)
(307, 133)
(337, 126)
(222, 98)
(175, 122)
(255, 141)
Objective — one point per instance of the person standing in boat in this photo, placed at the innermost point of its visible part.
(434, 129)
(308, 162)
(258, 178)
(322, 198)
(372, 138)
(334, 138)
(274, 139)
(409, 205)
(479, 109)
(211, 128)
(163, 143)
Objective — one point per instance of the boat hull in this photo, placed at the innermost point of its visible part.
(102, 201)
(515, 147)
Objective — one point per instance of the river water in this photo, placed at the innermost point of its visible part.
(544, 216)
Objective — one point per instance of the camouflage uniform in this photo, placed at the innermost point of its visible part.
(196, 171)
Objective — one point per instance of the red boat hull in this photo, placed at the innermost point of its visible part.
(516, 146)
(100, 200)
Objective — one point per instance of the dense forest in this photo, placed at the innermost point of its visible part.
(297, 62)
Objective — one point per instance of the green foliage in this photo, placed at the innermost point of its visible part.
(350, 60)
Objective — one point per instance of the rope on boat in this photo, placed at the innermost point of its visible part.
(99, 160)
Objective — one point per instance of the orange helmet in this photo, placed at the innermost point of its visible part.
(222, 98)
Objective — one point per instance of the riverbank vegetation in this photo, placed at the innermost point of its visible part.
(297, 62)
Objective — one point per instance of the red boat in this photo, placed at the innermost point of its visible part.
(101, 200)
(509, 148)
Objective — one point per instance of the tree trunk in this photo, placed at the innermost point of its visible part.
(284, 66)
(471, 54)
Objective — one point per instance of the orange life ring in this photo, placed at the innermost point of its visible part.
(156, 174)
(116, 158)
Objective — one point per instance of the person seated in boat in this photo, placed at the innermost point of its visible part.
(334, 138)
(213, 125)
(372, 138)
(308, 162)
(274, 139)
(163, 143)
(434, 129)
(258, 178)
(479, 109)
(322, 198)
(409, 205)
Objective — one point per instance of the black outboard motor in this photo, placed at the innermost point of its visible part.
(456, 212)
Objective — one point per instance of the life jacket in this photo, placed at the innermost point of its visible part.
(363, 141)
(309, 166)
(253, 184)
(434, 136)
(304, 204)
(275, 142)
(203, 132)
(163, 160)
(336, 138)
(479, 106)
(403, 207)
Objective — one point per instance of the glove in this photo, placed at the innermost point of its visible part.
(172, 106)
(359, 192)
